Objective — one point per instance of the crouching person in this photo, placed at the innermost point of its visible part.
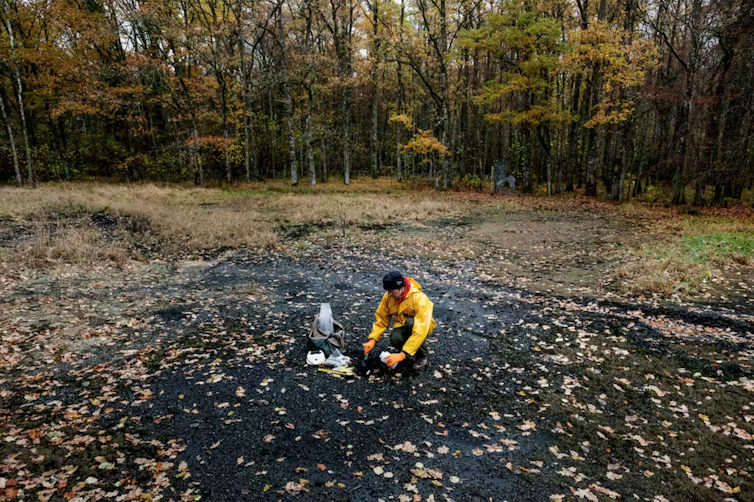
(411, 312)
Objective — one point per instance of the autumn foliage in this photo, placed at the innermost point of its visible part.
(569, 94)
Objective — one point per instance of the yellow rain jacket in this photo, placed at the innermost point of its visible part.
(415, 304)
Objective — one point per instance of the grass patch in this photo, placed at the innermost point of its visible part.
(188, 220)
(78, 245)
(719, 248)
(690, 253)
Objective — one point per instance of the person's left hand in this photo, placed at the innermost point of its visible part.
(395, 358)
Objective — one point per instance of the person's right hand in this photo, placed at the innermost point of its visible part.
(369, 346)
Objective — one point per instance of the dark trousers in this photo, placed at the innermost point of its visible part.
(399, 336)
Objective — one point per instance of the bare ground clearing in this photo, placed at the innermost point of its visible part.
(178, 378)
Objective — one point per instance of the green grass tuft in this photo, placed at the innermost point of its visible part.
(719, 248)
(685, 264)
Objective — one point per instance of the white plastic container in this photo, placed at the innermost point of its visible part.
(384, 356)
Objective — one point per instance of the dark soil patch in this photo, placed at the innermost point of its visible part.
(294, 231)
(135, 235)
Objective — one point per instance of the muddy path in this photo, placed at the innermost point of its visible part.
(563, 253)
(527, 397)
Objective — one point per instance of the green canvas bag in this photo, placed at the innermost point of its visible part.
(324, 342)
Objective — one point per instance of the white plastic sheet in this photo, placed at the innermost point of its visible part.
(337, 360)
(325, 319)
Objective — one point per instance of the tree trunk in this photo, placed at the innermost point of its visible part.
(591, 163)
(543, 133)
(626, 161)
(245, 98)
(64, 145)
(679, 186)
(375, 88)
(251, 157)
(246, 118)
(19, 96)
(609, 176)
(526, 160)
(323, 150)
(308, 132)
(341, 29)
(699, 194)
(12, 140)
(398, 152)
(453, 147)
(679, 196)
(375, 127)
(271, 135)
(445, 127)
(346, 115)
(573, 143)
(401, 92)
(288, 101)
(197, 156)
(226, 135)
(638, 189)
(596, 85)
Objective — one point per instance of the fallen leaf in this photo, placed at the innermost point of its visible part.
(585, 493)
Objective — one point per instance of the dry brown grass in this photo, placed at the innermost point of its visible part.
(681, 254)
(193, 219)
(353, 209)
(74, 245)
(176, 213)
(668, 274)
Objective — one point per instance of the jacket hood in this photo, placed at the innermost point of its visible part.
(415, 286)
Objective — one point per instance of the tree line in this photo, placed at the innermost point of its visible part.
(562, 94)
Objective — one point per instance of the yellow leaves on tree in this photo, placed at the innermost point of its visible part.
(401, 118)
(425, 144)
(623, 63)
(527, 41)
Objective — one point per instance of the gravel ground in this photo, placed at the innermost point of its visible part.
(527, 397)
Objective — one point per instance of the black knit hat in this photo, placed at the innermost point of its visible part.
(393, 280)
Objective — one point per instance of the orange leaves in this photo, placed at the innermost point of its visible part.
(74, 108)
(216, 143)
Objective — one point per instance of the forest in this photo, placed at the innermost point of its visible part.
(615, 96)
